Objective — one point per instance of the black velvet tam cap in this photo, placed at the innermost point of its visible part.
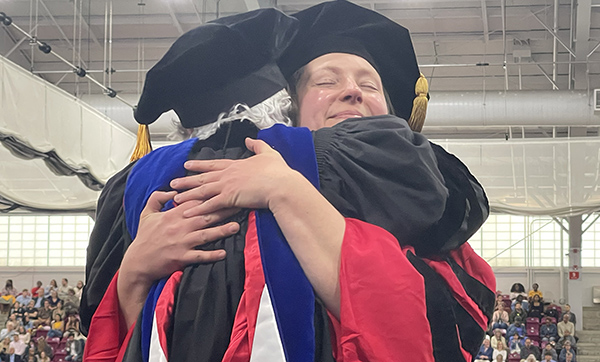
(217, 65)
(342, 27)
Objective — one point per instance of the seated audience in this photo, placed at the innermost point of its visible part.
(44, 315)
(79, 289)
(49, 288)
(485, 352)
(516, 290)
(516, 327)
(536, 308)
(567, 311)
(72, 324)
(37, 287)
(530, 358)
(499, 358)
(24, 298)
(8, 293)
(548, 331)
(567, 348)
(18, 345)
(570, 357)
(565, 325)
(9, 331)
(53, 299)
(515, 343)
(43, 347)
(11, 356)
(567, 339)
(497, 338)
(24, 335)
(534, 292)
(522, 301)
(43, 357)
(31, 311)
(63, 290)
(74, 347)
(549, 348)
(500, 318)
(548, 357)
(518, 311)
(500, 350)
(528, 349)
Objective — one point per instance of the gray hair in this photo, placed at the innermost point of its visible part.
(265, 114)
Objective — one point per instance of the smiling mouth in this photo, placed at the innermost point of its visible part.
(347, 115)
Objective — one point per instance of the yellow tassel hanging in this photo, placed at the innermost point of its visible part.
(142, 145)
(419, 109)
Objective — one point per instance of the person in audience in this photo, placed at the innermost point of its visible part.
(11, 356)
(38, 286)
(18, 345)
(570, 357)
(58, 310)
(43, 347)
(516, 290)
(528, 349)
(499, 350)
(44, 315)
(24, 335)
(79, 289)
(550, 348)
(24, 297)
(522, 301)
(567, 339)
(18, 310)
(565, 325)
(548, 357)
(548, 331)
(567, 311)
(31, 311)
(39, 298)
(57, 327)
(71, 302)
(518, 311)
(74, 348)
(63, 290)
(534, 291)
(53, 299)
(43, 357)
(567, 348)
(8, 293)
(516, 327)
(536, 308)
(485, 352)
(9, 331)
(497, 338)
(4, 346)
(499, 358)
(500, 318)
(530, 358)
(50, 287)
(72, 323)
(551, 311)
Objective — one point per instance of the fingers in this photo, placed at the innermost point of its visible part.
(200, 193)
(189, 182)
(157, 201)
(208, 235)
(257, 146)
(209, 206)
(202, 256)
(207, 165)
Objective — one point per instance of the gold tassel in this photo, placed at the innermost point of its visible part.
(142, 144)
(419, 109)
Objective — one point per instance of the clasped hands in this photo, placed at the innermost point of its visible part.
(166, 241)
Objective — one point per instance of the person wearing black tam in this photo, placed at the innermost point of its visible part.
(384, 250)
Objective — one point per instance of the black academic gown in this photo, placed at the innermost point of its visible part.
(373, 169)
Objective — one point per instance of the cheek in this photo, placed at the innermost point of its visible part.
(377, 105)
(313, 108)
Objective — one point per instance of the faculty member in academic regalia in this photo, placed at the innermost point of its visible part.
(382, 245)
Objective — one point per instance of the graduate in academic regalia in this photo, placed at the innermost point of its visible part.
(374, 267)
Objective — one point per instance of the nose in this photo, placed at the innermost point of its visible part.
(351, 92)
